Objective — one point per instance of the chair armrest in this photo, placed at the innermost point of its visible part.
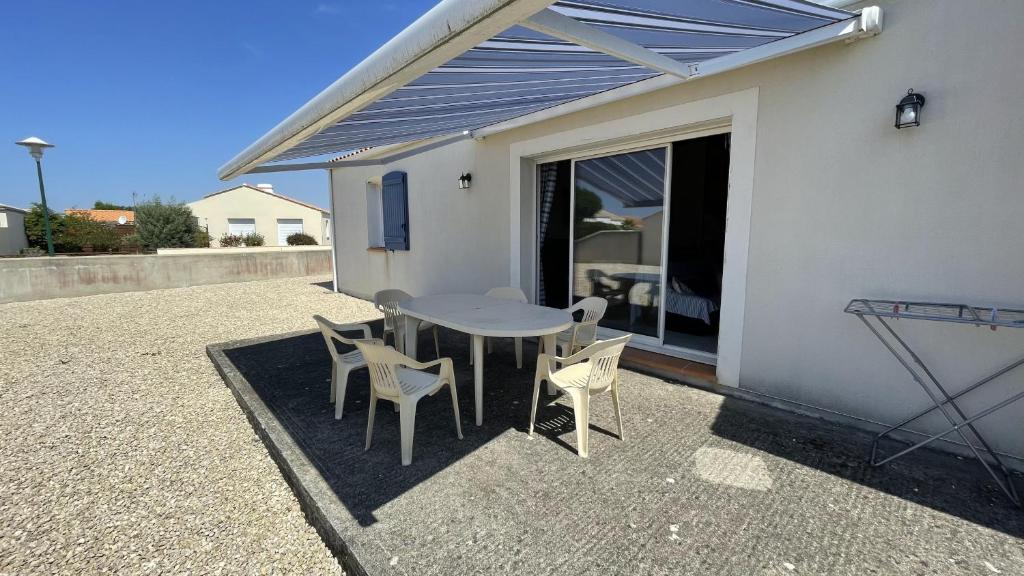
(574, 358)
(364, 328)
(446, 362)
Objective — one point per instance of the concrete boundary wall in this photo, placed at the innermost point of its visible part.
(23, 279)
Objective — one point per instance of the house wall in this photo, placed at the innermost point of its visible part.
(12, 232)
(843, 206)
(266, 209)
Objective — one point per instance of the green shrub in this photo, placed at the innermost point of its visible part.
(201, 239)
(32, 251)
(253, 239)
(301, 239)
(80, 232)
(131, 243)
(34, 227)
(162, 225)
(230, 241)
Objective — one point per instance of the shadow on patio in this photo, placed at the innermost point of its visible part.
(702, 484)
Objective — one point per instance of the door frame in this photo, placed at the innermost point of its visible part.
(737, 111)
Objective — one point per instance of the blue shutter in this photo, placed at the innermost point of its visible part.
(395, 201)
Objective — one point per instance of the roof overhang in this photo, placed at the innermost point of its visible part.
(473, 68)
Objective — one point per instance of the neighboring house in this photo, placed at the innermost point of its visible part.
(768, 157)
(12, 230)
(122, 217)
(122, 220)
(246, 209)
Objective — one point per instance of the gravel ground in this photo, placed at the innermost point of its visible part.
(123, 452)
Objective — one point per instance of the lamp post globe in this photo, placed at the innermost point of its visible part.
(36, 146)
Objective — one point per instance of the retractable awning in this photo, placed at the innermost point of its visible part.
(470, 64)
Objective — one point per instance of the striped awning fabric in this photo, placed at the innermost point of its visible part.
(636, 178)
(521, 71)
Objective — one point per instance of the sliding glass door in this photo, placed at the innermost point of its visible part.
(645, 231)
(618, 216)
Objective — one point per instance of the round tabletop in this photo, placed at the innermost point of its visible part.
(487, 316)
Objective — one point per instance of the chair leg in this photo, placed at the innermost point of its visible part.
(369, 422)
(455, 408)
(618, 409)
(334, 379)
(519, 353)
(533, 406)
(581, 408)
(341, 386)
(407, 417)
(437, 343)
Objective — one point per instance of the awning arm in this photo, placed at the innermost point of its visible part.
(563, 27)
(368, 162)
(867, 23)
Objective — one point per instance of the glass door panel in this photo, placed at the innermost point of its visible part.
(618, 216)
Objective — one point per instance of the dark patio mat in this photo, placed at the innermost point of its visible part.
(703, 484)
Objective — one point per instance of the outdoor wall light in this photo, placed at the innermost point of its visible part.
(465, 180)
(908, 111)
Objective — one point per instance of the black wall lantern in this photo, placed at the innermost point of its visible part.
(465, 180)
(908, 111)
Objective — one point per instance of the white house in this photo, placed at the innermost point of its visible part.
(247, 209)
(12, 230)
(757, 139)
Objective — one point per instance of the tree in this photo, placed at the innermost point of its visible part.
(587, 203)
(101, 205)
(35, 231)
(162, 225)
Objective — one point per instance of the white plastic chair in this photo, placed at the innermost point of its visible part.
(505, 293)
(583, 332)
(387, 301)
(582, 380)
(342, 363)
(402, 380)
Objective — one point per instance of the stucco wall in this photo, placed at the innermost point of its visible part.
(42, 278)
(458, 239)
(843, 206)
(266, 209)
(12, 232)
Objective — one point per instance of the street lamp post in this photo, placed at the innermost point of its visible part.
(35, 148)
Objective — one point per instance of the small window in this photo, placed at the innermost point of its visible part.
(374, 216)
(395, 206)
(241, 226)
(3, 220)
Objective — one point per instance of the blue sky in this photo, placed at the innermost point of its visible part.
(153, 97)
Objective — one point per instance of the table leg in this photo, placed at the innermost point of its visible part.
(411, 336)
(550, 348)
(478, 377)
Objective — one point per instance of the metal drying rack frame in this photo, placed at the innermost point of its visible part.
(989, 316)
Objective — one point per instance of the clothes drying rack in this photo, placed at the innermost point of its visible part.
(994, 318)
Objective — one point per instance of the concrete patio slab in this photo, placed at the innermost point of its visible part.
(702, 484)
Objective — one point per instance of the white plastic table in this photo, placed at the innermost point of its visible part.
(482, 316)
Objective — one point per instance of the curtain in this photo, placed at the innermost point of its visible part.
(548, 180)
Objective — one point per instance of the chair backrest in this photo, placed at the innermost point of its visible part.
(382, 362)
(508, 293)
(593, 309)
(604, 361)
(330, 335)
(387, 302)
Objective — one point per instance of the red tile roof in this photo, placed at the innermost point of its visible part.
(104, 215)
